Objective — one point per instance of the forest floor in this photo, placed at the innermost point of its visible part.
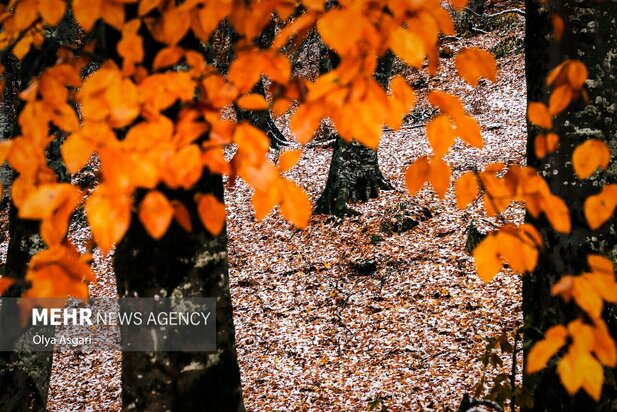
(383, 308)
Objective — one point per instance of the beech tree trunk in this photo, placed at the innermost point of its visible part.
(184, 265)
(589, 36)
(354, 169)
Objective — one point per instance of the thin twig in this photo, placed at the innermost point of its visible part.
(499, 13)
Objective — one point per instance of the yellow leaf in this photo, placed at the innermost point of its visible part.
(571, 378)
(539, 115)
(486, 258)
(586, 297)
(113, 14)
(589, 156)
(544, 350)
(521, 256)
(416, 175)
(155, 213)
(440, 134)
(440, 174)
(599, 208)
(295, 204)
(466, 189)
(604, 345)
(408, 46)
(109, 215)
(253, 101)
(288, 159)
(474, 63)
(600, 264)
(211, 213)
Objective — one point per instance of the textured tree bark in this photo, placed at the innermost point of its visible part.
(185, 265)
(354, 169)
(354, 176)
(589, 37)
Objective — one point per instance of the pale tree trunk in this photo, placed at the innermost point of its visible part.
(589, 37)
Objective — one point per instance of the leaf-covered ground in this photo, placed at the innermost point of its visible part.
(382, 306)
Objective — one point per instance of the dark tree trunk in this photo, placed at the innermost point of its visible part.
(189, 265)
(221, 54)
(354, 176)
(589, 37)
(354, 169)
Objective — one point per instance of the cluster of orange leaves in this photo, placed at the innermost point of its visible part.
(119, 112)
(130, 99)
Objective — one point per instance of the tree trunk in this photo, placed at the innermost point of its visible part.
(354, 176)
(354, 169)
(588, 37)
(188, 265)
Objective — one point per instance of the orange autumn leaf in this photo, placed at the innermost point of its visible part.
(440, 134)
(263, 201)
(466, 189)
(560, 99)
(600, 207)
(473, 63)
(109, 215)
(87, 12)
(539, 115)
(295, 204)
(167, 57)
(288, 159)
(545, 144)
(588, 157)
(468, 130)
(253, 101)
(545, 349)
(408, 46)
(305, 122)
(558, 26)
(211, 213)
(182, 216)
(176, 23)
(447, 103)
(578, 369)
(336, 32)
(52, 11)
(459, 4)
(155, 213)
(416, 175)
(439, 176)
(75, 152)
(557, 213)
(5, 283)
(486, 258)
